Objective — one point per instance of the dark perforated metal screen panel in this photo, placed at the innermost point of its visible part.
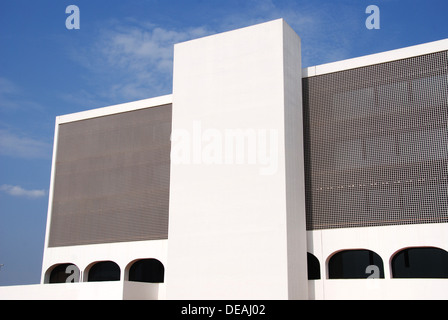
(376, 143)
(112, 179)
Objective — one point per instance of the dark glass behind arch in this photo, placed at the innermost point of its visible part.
(352, 264)
(420, 262)
(60, 273)
(313, 267)
(147, 270)
(104, 271)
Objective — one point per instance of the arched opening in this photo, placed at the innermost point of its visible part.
(313, 267)
(355, 264)
(420, 262)
(63, 273)
(147, 270)
(104, 271)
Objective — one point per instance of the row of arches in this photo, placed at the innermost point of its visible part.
(142, 270)
(415, 262)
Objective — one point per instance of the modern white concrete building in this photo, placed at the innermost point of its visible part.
(257, 179)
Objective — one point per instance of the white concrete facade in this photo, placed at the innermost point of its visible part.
(234, 230)
(83, 256)
(385, 241)
(237, 226)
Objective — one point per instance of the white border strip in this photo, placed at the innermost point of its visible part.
(50, 198)
(119, 108)
(376, 58)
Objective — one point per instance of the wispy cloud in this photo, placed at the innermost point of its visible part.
(7, 92)
(12, 97)
(131, 61)
(326, 29)
(18, 191)
(21, 146)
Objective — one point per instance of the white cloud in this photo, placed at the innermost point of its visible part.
(323, 33)
(14, 145)
(130, 62)
(12, 97)
(7, 86)
(18, 191)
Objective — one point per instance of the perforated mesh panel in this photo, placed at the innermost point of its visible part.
(112, 179)
(376, 143)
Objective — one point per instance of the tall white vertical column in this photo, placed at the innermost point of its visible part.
(237, 200)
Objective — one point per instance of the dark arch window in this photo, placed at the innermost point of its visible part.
(313, 267)
(64, 273)
(147, 270)
(420, 263)
(104, 271)
(355, 264)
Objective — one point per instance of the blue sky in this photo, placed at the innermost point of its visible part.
(123, 52)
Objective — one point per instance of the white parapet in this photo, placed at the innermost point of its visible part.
(108, 290)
